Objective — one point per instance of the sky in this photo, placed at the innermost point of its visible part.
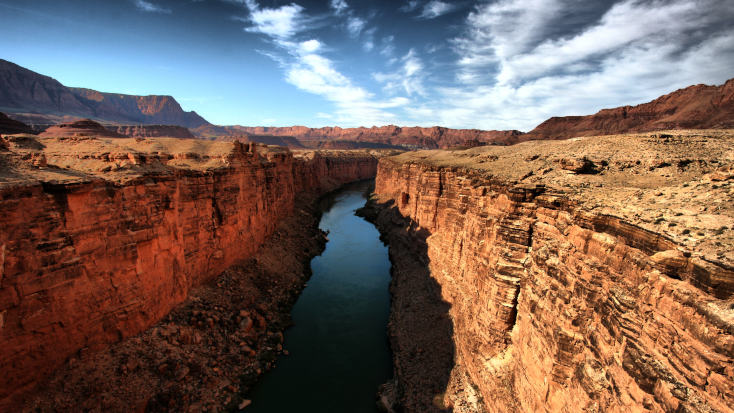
(493, 65)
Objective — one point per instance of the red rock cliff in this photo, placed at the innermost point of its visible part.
(104, 236)
(569, 300)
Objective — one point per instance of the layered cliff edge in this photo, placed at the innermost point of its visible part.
(102, 237)
(588, 275)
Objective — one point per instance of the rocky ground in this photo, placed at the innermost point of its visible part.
(204, 356)
(676, 183)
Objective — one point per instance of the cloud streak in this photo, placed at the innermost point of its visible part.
(309, 70)
(437, 8)
(150, 7)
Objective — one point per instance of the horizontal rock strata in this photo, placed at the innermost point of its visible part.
(585, 275)
(100, 238)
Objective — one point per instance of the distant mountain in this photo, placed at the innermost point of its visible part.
(695, 107)
(30, 95)
(432, 138)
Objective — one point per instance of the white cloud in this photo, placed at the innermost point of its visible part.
(514, 72)
(355, 25)
(339, 6)
(387, 47)
(323, 115)
(150, 7)
(280, 23)
(408, 78)
(436, 8)
(307, 69)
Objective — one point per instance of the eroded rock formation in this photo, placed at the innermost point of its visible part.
(583, 275)
(101, 237)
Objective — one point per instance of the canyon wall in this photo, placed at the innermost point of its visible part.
(100, 238)
(569, 289)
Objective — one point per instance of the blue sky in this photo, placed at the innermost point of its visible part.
(503, 64)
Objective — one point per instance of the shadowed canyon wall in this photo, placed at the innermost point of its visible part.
(98, 241)
(557, 303)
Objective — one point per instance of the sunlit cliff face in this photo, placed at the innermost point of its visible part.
(569, 280)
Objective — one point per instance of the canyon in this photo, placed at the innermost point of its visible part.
(586, 275)
(100, 238)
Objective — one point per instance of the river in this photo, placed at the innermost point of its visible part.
(338, 347)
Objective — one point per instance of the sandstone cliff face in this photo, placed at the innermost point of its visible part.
(571, 288)
(695, 107)
(428, 138)
(22, 90)
(153, 131)
(99, 238)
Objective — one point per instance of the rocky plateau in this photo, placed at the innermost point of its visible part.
(588, 275)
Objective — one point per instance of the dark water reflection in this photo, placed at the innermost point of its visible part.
(339, 351)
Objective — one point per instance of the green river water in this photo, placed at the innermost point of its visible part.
(338, 348)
